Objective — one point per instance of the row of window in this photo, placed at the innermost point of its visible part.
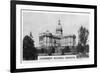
(48, 41)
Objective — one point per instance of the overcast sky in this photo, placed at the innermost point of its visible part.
(38, 22)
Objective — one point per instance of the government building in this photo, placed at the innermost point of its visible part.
(56, 43)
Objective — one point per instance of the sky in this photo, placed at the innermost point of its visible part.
(40, 21)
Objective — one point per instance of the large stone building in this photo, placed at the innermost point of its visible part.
(58, 41)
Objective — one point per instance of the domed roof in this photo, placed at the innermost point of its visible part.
(48, 33)
(59, 27)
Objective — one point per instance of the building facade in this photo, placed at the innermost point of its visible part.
(56, 41)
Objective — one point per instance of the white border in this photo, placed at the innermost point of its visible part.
(38, 64)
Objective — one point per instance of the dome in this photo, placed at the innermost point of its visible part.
(59, 27)
(48, 33)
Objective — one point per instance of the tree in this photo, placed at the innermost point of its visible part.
(29, 51)
(83, 37)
